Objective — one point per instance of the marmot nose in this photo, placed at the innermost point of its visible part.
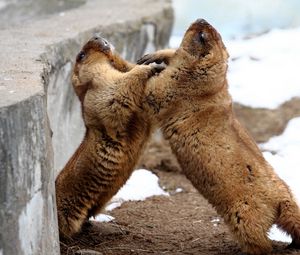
(105, 42)
(100, 39)
(201, 21)
(97, 37)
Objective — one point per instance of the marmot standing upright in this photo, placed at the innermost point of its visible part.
(110, 91)
(191, 102)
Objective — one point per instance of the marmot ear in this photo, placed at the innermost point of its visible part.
(81, 55)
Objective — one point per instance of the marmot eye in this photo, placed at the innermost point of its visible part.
(80, 56)
(202, 37)
(105, 42)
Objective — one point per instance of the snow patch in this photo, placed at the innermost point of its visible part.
(215, 222)
(30, 224)
(277, 235)
(269, 64)
(286, 159)
(113, 205)
(141, 185)
(103, 218)
(178, 190)
(288, 142)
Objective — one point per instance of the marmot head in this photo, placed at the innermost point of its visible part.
(203, 57)
(202, 41)
(96, 51)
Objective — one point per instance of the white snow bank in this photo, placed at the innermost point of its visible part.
(264, 71)
(285, 160)
(141, 185)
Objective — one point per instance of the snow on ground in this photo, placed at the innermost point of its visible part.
(141, 185)
(263, 71)
(103, 218)
(285, 160)
(285, 155)
(178, 190)
(277, 235)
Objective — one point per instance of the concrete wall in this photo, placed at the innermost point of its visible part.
(27, 201)
(35, 78)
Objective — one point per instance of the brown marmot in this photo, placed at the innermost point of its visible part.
(191, 102)
(110, 91)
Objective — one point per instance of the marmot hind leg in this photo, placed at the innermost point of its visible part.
(250, 227)
(289, 221)
(69, 225)
(254, 240)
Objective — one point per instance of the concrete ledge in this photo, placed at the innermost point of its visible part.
(34, 77)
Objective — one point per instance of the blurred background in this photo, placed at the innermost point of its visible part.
(237, 18)
(233, 18)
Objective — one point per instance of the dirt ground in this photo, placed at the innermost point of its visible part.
(182, 223)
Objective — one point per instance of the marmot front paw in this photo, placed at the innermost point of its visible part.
(157, 68)
(150, 58)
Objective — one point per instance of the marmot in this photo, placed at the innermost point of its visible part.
(191, 102)
(110, 91)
